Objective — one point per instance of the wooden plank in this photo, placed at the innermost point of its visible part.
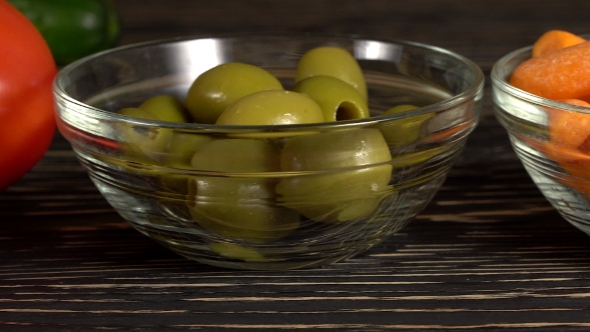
(489, 253)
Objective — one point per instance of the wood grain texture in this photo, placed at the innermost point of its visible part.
(488, 254)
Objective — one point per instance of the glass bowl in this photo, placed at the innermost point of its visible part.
(273, 219)
(560, 172)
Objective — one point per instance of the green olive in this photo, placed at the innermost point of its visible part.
(415, 158)
(332, 61)
(240, 207)
(220, 86)
(240, 155)
(272, 108)
(337, 99)
(158, 146)
(166, 108)
(236, 251)
(334, 150)
(339, 196)
(142, 141)
(182, 147)
(352, 175)
(233, 216)
(403, 131)
(135, 112)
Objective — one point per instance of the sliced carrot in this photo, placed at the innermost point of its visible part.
(576, 102)
(553, 40)
(569, 129)
(569, 145)
(573, 162)
(560, 70)
(561, 74)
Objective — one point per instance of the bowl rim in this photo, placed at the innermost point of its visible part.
(502, 83)
(473, 91)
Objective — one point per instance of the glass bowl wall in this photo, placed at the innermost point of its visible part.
(561, 174)
(285, 219)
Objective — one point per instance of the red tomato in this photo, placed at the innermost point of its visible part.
(27, 120)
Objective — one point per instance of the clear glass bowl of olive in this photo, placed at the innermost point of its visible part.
(269, 152)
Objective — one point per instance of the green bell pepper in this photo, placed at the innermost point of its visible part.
(73, 28)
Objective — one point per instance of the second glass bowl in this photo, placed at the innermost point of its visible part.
(561, 173)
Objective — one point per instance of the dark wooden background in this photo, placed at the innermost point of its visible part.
(488, 254)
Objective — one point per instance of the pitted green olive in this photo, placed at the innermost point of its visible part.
(337, 99)
(235, 251)
(154, 146)
(400, 108)
(135, 112)
(182, 147)
(240, 207)
(143, 141)
(179, 153)
(272, 108)
(240, 155)
(237, 217)
(332, 61)
(338, 196)
(355, 176)
(166, 108)
(412, 159)
(403, 131)
(222, 85)
(338, 149)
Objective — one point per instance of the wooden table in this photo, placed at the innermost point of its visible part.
(489, 253)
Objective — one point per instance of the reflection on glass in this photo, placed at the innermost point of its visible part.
(200, 55)
(374, 50)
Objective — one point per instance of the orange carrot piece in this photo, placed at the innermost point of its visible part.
(569, 145)
(576, 102)
(574, 163)
(577, 165)
(554, 40)
(560, 70)
(568, 129)
(561, 74)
